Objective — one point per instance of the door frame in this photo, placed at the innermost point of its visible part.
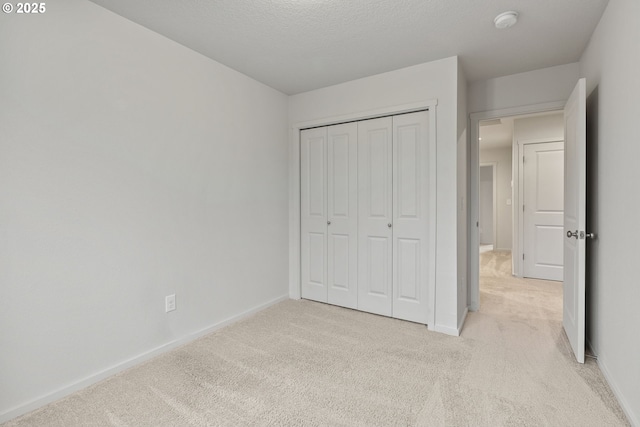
(474, 185)
(494, 184)
(518, 190)
(294, 188)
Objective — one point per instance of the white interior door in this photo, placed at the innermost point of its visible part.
(342, 189)
(543, 173)
(410, 225)
(313, 214)
(573, 313)
(375, 215)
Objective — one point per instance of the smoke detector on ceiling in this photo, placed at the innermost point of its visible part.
(506, 20)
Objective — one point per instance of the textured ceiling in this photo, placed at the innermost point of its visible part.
(300, 45)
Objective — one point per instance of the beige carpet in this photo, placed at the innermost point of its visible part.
(304, 363)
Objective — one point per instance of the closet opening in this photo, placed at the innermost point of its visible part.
(367, 214)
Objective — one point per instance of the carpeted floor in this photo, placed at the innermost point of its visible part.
(304, 363)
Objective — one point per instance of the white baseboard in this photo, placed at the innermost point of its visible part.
(119, 367)
(448, 330)
(464, 318)
(455, 332)
(624, 404)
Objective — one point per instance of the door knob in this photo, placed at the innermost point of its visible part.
(389, 225)
(571, 234)
(328, 222)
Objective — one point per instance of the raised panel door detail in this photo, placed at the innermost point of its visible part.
(317, 176)
(408, 163)
(543, 175)
(548, 245)
(550, 175)
(375, 152)
(377, 260)
(313, 214)
(340, 258)
(378, 173)
(411, 222)
(339, 173)
(408, 269)
(317, 267)
(343, 214)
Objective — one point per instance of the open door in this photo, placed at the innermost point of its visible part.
(575, 128)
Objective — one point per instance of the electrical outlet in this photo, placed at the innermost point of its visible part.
(170, 303)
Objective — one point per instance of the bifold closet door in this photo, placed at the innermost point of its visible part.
(313, 214)
(342, 235)
(329, 209)
(411, 221)
(375, 156)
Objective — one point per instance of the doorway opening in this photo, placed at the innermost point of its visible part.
(517, 204)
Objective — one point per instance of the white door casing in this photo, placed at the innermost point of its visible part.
(475, 119)
(313, 214)
(410, 225)
(342, 218)
(573, 313)
(543, 206)
(375, 216)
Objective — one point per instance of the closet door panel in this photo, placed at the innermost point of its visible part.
(375, 154)
(313, 214)
(342, 152)
(411, 216)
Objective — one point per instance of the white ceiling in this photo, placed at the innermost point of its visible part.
(300, 45)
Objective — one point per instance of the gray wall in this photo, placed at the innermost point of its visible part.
(130, 168)
(463, 195)
(486, 208)
(501, 156)
(610, 64)
(533, 87)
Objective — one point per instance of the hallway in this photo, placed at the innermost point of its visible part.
(524, 353)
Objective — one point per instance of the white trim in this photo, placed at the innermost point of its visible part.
(448, 330)
(494, 171)
(518, 189)
(464, 318)
(624, 404)
(294, 186)
(474, 131)
(369, 114)
(133, 361)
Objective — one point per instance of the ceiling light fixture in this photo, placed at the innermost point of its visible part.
(506, 20)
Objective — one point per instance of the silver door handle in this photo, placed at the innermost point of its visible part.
(572, 234)
(389, 225)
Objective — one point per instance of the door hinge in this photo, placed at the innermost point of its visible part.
(522, 208)
(523, 257)
(522, 159)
